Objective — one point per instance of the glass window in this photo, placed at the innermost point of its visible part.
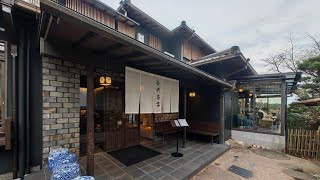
(259, 107)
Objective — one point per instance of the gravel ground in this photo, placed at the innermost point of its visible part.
(262, 163)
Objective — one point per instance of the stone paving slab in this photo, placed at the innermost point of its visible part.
(197, 155)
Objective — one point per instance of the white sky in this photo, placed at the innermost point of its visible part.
(257, 27)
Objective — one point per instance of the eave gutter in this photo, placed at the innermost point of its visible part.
(58, 10)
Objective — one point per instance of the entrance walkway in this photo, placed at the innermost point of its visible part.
(197, 155)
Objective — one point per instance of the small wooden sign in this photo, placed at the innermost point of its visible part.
(179, 123)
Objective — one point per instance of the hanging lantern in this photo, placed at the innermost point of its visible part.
(105, 80)
(240, 90)
(192, 94)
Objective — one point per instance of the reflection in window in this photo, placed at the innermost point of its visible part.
(259, 107)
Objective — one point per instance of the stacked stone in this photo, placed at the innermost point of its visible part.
(61, 109)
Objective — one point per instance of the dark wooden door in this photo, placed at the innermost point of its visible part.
(114, 120)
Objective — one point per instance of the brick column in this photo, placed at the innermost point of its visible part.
(61, 109)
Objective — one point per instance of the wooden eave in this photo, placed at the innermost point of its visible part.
(144, 19)
(113, 45)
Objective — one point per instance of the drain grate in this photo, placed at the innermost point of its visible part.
(240, 171)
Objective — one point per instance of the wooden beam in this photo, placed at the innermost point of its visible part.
(48, 27)
(145, 63)
(90, 120)
(109, 49)
(162, 67)
(66, 52)
(130, 55)
(84, 39)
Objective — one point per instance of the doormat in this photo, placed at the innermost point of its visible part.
(240, 171)
(134, 154)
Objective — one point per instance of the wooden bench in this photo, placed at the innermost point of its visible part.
(203, 128)
(164, 128)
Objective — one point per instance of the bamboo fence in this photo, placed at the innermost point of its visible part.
(304, 143)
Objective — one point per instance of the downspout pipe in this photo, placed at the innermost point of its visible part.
(14, 111)
(21, 104)
(27, 104)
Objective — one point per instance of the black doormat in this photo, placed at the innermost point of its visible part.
(134, 154)
(241, 171)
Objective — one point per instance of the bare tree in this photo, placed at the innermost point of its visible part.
(287, 59)
(315, 50)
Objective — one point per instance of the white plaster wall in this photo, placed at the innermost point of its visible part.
(268, 141)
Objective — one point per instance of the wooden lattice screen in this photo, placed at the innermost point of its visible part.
(304, 143)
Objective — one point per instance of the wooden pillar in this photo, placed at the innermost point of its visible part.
(283, 106)
(254, 106)
(185, 117)
(90, 119)
(221, 135)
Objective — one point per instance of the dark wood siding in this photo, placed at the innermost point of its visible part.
(89, 11)
(126, 29)
(155, 42)
(191, 52)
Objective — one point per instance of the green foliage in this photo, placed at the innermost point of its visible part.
(311, 69)
(296, 118)
(303, 117)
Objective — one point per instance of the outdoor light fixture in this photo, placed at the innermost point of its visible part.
(250, 95)
(192, 94)
(105, 80)
(240, 90)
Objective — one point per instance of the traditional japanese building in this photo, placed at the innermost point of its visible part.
(81, 75)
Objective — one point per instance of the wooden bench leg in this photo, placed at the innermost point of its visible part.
(211, 140)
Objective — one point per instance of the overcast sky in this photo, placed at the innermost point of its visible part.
(257, 27)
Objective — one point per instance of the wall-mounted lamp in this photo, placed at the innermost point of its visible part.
(250, 94)
(192, 94)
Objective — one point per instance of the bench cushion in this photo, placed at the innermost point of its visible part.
(207, 128)
(202, 132)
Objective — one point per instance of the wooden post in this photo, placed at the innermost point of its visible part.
(221, 135)
(185, 117)
(254, 106)
(283, 107)
(90, 119)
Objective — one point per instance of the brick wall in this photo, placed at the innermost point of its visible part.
(166, 117)
(61, 109)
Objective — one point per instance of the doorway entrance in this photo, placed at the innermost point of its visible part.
(113, 129)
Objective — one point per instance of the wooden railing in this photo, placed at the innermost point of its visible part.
(304, 143)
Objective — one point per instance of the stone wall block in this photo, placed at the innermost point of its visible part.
(55, 61)
(62, 68)
(56, 126)
(68, 64)
(61, 109)
(62, 120)
(56, 83)
(56, 105)
(62, 79)
(49, 133)
(49, 88)
(48, 65)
